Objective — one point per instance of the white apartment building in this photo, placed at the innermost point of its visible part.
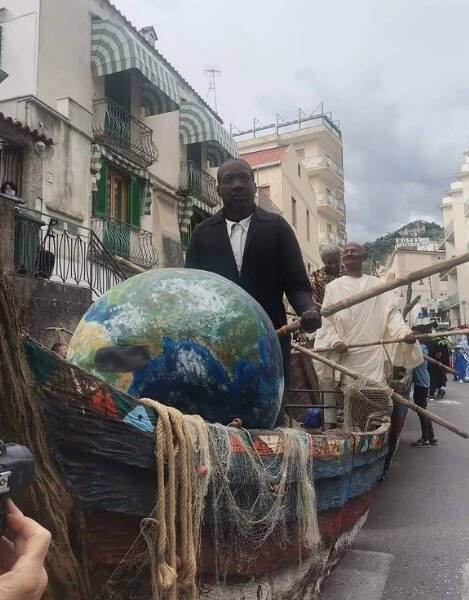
(317, 141)
(135, 148)
(455, 208)
(409, 255)
(283, 187)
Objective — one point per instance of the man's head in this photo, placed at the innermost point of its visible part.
(353, 257)
(330, 256)
(237, 188)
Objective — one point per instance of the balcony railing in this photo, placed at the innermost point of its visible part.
(323, 161)
(266, 203)
(125, 240)
(114, 126)
(328, 199)
(194, 181)
(64, 252)
(331, 238)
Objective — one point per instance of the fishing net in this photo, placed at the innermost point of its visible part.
(367, 404)
(225, 496)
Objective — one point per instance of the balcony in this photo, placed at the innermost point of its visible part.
(330, 206)
(449, 231)
(451, 301)
(331, 238)
(117, 129)
(194, 181)
(266, 203)
(63, 252)
(125, 240)
(326, 166)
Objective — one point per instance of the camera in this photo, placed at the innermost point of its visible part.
(16, 473)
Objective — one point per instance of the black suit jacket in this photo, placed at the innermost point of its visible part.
(272, 261)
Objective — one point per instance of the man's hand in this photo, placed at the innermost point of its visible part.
(310, 320)
(409, 338)
(22, 573)
(340, 347)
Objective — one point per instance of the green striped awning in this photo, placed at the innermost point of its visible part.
(186, 210)
(197, 124)
(114, 48)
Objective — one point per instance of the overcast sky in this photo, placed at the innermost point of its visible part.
(394, 72)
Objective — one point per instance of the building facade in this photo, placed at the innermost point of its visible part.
(135, 147)
(283, 187)
(317, 141)
(408, 257)
(455, 209)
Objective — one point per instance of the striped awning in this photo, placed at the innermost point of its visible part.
(186, 210)
(196, 124)
(114, 49)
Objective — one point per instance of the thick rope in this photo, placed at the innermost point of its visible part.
(178, 499)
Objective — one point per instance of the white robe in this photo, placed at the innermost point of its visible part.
(374, 319)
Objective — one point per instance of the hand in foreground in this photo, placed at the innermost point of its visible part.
(310, 320)
(340, 347)
(409, 338)
(22, 573)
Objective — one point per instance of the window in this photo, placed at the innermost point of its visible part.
(265, 189)
(308, 234)
(299, 170)
(329, 228)
(293, 211)
(119, 196)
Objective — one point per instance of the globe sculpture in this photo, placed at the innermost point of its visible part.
(189, 339)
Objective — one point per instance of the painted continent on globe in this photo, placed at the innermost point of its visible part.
(212, 350)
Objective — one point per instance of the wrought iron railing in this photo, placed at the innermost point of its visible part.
(194, 181)
(266, 203)
(126, 240)
(113, 124)
(64, 252)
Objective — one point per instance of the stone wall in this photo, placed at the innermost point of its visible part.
(40, 303)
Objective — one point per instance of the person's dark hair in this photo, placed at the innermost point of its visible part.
(230, 160)
(11, 184)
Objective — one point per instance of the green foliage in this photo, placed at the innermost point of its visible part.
(379, 250)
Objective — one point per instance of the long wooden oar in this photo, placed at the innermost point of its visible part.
(381, 289)
(395, 396)
(441, 365)
(418, 336)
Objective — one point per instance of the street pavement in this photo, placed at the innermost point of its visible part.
(415, 544)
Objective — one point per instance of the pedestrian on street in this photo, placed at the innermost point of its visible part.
(255, 249)
(460, 364)
(421, 379)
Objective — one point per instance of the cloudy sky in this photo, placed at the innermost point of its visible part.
(394, 72)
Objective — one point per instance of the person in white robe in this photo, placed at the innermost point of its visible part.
(374, 319)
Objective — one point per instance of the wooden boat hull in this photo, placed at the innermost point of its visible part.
(103, 441)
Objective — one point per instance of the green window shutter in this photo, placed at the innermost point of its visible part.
(100, 199)
(134, 202)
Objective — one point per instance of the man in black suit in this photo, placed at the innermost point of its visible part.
(256, 250)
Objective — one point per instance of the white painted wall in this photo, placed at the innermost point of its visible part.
(20, 48)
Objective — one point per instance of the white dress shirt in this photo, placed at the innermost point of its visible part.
(238, 232)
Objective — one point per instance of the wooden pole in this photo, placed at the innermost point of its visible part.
(441, 365)
(381, 288)
(395, 396)
(419, 336)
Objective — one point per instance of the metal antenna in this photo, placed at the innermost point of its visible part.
(212, 71)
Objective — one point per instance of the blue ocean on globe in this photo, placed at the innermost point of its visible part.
(208, 347)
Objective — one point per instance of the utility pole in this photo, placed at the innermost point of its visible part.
(212, 71)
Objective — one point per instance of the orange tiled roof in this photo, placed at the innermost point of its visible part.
(264, 157)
